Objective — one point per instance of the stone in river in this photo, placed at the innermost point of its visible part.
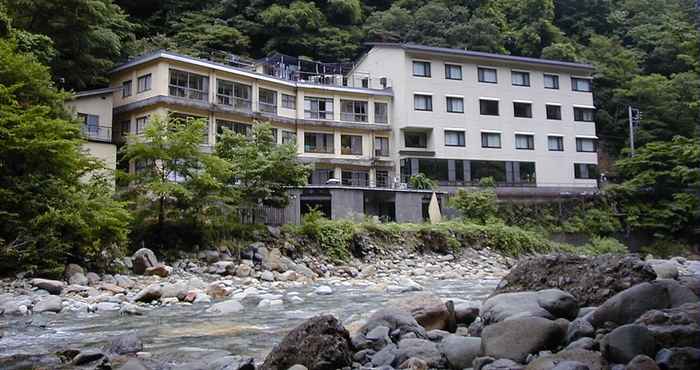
(50, 303)
(51, 286)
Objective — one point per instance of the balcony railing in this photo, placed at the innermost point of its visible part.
(353, 117)
(381, 118)
(97, 133)
(360, 179)
(188, 93)
(239, 104)
(267, 107)
(319, 149)
(382, 180)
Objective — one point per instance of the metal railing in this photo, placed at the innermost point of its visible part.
(239, 104)
(356, 179)
(267, 107)
(353, 117)
(381, 118)
(188, 93)
(97, 133)
(319, 149)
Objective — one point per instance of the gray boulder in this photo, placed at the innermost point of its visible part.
(548, 304)
(579, 328)
(143, 259)
(679, 358)
(92, 278)
(583, 343)
(422, 349)
(628, 305)
(642, 362)
(502, 364)
(49, 303)
(664, 269)
(465, 313)
(592, 360)
(126, 344)
(399, 322)
(51, 286)
(625, 342)
(78, 279)
(516, 338)
(385, 357)
(232, 363)
(460, 351)
(674, 327)
(678, 294)
(148, 294)
(226, 307)
(429, 310)
(571, 365)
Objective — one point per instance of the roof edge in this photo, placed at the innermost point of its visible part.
(94, 92)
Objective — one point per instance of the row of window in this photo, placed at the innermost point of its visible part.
(320, 176)
(456, 138)
(318, 142)
(490, 107)
(490, 75)
(143, 83)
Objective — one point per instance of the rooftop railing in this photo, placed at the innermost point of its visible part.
(97, 133)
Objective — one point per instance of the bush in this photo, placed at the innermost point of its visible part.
(665, 249)
(479, 206)
(600, 245)
(421, 181)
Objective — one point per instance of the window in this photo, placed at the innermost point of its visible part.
(289, 137)
(90, 120)
(423, 102)
(381, 146)
(581, 84)
(381, 113)
(585, 171)
(234, 94)
(382, 179)
(267, 101)
(488, 107)
(143, 83)
(551, 82)
(188, 85)
(490, 140)
(586, 145)
(453, 72)
(416, 139)
(353, 110)
(553, 111)
(318, 108)
(126, 89)
(487, 75)
(555, 143)
(141, 124)
(455, 104)
(421, 69)
(522, 110)
(355, 178)
(289, 101)
(125, 128)
(351, 144)
(274, 132)
(520, 78)
(318, 143)
(454, 138)
(584, 114)
(526, 142)
(244, 129)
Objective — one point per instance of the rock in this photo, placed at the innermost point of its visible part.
(679, 358)
(319, 343)
(398, 321)
(582, 343)
(222, 267)
(298, 367)
(232, 363)
(92, 278)
(107, 306)
(270, 302)
(385, 357)
(592, 360)
(87, 356)
(579, 328)
(131, 309)
(143, 259)
(218, 290)
(591, 280)
(177, 290)
(124, 281)
(516, 338)
(202, 298)
(642, 362)
(323, 290)
(149, 294)
(465, 314)
(476, 328)
(459, 351)
(49, 303)
(428, 310)
(664, 269)
(159, 270)
(272, 260)
(78, 279)
(626, 306)
(674, 327)
(420, 348)
(132, 364)
(625, 342)
(414, 363)
(677, 293)
(51, 286)
(244, 270)
(378, 337)
(288, 276)
(548, 304)
(267, 276)
(211, 256)
(570, 365)
(691, 282)
(126, 344)
(502, 364)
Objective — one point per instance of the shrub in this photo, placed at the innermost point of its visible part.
(479, 206)
(421, 181)
(599, 245)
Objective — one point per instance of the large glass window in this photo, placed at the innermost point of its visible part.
(454, 138)
(126, 89)
(551, 81)
(188, 85)
(520, 78)
(353, 110)
(584, 114)
(554, 112)
(351, 144)
(581, 84)
(289, 137)
(455, 104)
(423, 102)
(525, 142)
(267, 101)
(421, 69)
(522, 110)
(585, 171)
(355, 178)
(244, 129)
(381, 113)
(381, 146)
(488, 75)
(488, 107)
(289, 101)
(318, 108)
(416, 139)
(143, 83)
(586, 145)
(490, 140)
(453, 72)
(141, 123)
(315, 142)
(493, 169)
(555, 143)
(234, 94)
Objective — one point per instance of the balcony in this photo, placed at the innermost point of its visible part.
(188, 93)
(238, 104)
(353, 117)
(97, 133)
(267, 108)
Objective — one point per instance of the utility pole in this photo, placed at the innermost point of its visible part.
(635, 117)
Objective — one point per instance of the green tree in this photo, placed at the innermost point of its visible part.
(476, 205)
(421, 181)
(261, 170)
(659, 192)
(175, 184)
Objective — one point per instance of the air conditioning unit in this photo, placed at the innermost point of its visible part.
(332, 181)
(403, 186)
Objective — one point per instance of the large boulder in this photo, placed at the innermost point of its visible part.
(679, 358)
(225, 307)
(625, 342)
(148, 294)
(126, 344)
(143, 259)
(548, 303)
(642, 362)
(319, 343)
(51, 286)
(516, 338)
(428, 310)
(592, 280)
(422, 349)
(399, 322)
(78, 278)
(593, 360)
(49, 303)
(674, 327)
(460, 351)
(664, 269)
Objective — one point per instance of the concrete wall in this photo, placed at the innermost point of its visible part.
(347, 203)
(100, 105)
(409, 207)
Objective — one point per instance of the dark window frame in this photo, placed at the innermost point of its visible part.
(526, 79)
(556, 81)
(556, 117)
(482, 107)
(485, 142)
(530, 142)
(579, 145)
(461, 138)
(448, 107)
(429, 102)
(426, 69)
(448, 66)
(422, 143)
(560, 140)
(529, 109)
(148, 81)
(480, 75)
(581, 117)
(574, 85)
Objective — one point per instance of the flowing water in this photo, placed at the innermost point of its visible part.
(177, 333)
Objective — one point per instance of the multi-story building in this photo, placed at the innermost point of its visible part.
(457, 116)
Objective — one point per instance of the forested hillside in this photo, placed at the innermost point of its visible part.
(645, 51)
